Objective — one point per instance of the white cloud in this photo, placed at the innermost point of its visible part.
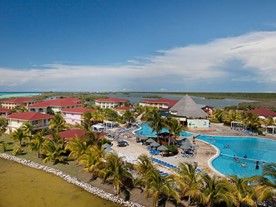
(211, 62)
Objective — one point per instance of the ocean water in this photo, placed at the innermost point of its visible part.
(135, 98)
(17, 94)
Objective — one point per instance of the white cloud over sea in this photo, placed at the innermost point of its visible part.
(243, 63)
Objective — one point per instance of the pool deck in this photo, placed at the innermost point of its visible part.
(204, 151)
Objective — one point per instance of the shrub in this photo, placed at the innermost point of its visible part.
(173, 149)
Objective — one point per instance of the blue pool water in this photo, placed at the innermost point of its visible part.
(147, 131)
(255, 149)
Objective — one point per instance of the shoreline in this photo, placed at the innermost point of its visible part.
(73, 180)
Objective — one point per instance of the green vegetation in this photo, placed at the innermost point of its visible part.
(152, 96)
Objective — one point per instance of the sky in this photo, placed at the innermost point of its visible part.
(138, 45)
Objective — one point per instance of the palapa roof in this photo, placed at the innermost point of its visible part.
(186, 107)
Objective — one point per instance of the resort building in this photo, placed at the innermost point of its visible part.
(4, 112)
(189, 113)
(122, 109)
(263, 113)
(71, 133)
(16, 102)
(56, 105)
(208, 109)
(161, 103)
(111, 102)
(37, 120)
(74, 115)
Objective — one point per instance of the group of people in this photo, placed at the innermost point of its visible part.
(244, 164)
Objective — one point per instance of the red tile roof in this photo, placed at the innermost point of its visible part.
(160, 101)
(29, 116)
(4, 110)
(77, 110)
(263, 112)
(123, 108)
(71, 133)
(62, 102)
(118, 100)
(18, 100)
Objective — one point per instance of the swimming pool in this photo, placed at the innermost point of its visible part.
(147, 131)
(254, 148)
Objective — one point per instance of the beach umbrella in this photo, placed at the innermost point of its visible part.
(154, 144)
(143, 138)
(186, 145)
(150, 140)
(106, 145)
(108, 149)
(162, 148)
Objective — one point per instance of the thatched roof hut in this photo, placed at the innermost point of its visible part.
(186, 107)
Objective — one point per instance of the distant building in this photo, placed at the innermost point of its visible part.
(4, 112)
(70, 134)
(37, 120)
(188, 112)
(55, 105)
(263, 113)
(122, 109)
(74, 115)
(111, 102)
(16, 102)
(208, 109)
(161, 103)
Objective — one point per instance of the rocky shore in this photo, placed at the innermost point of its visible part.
(70, 179)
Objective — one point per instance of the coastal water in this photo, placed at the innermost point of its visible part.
(17, 94)
(134, 98)
(23, 186)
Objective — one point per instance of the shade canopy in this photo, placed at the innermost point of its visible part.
(162, 148)
(143, 138)
(150, 140)
(186, 145)
(106, 145)
(108, 149)
(154, 144)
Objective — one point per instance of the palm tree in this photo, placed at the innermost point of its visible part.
(189, 181)
(97, 116)
(128, 116)
(57, 123)
(218, 115)
(217, 191)
(37, 142)
(87, 116)
(92, 160)
(117, 172)
(76, 147)
(231, 115)
(144, 165)
(265, 186)
(160, 188)
(173, 126)
(28, 128)
(19, 135)
(252, 121)
(246, 194)
(3, 125)
(54, 149)
(155, 121)
(270, 170)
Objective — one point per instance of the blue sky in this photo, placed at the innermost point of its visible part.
(145, 45)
